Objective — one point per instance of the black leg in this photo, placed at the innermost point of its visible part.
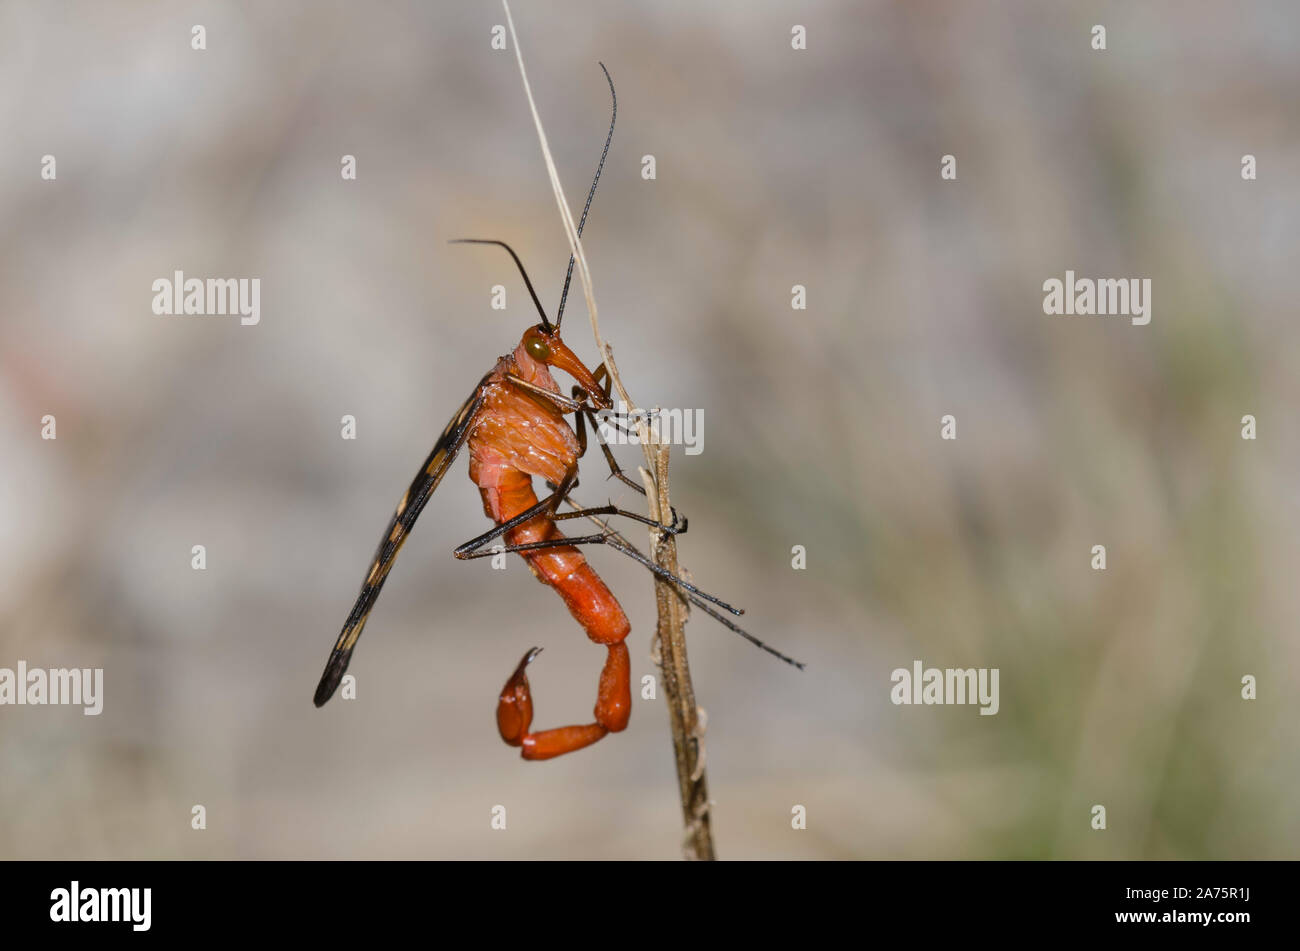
(566, 542)
(614, 469)
(565, 403)
(612, 509)
(546, 506)
(686, 590)
(604, 539)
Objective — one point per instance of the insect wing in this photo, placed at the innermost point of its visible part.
(408, 510)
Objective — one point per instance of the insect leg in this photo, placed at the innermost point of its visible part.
(686, 590)
(565, 403)
(546, 506)
(614, 469)
(612, 540)
(695, 596)
(566, 542)
(678, 527)
(590, 416)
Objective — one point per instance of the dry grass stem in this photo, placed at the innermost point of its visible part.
(678, 690)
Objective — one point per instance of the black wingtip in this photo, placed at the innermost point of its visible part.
(329, 681)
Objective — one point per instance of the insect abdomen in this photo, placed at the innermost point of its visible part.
(590, 602)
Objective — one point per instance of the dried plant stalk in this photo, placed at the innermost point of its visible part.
(676, 674)
(683, 714)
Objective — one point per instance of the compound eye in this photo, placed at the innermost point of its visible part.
(538, 349)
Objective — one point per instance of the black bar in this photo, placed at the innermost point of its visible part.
(979, 901)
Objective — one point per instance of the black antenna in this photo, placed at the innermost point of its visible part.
(564, 296)
(545, 323)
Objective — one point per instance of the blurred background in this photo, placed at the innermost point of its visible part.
(775, 167)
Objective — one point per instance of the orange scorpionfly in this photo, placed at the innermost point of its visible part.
(514, 426)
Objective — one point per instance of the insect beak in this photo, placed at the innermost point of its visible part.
(566, 360)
